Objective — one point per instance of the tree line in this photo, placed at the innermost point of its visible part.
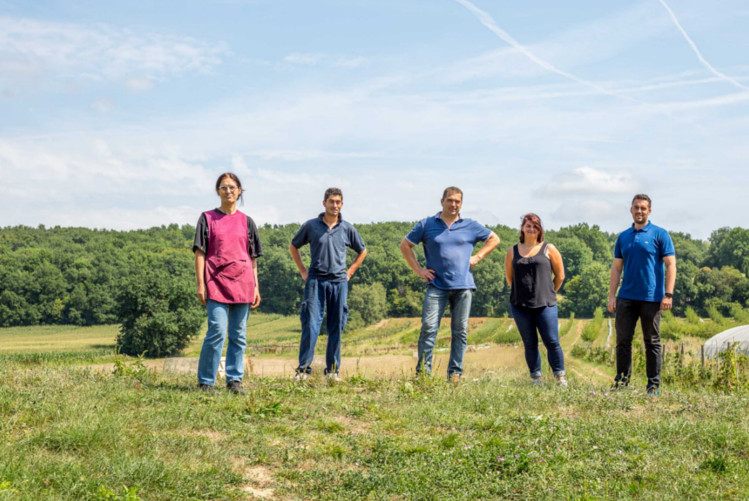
(87, 276)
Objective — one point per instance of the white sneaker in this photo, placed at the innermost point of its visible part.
(561, 381)
(301, 376)
(332, 376)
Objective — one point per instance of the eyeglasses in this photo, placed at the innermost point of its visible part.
(231, 189)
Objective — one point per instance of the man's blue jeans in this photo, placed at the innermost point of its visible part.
(223, 317)
(543, 321)
(319, 294)
(435, 302)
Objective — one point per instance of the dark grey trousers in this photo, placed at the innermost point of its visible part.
(627, 313)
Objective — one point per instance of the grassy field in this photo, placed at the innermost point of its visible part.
(70, 432)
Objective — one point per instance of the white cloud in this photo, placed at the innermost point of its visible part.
(103, 105)
(39, 51)
(139, 84)
(589, 181)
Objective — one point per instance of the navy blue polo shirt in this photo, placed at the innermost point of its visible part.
(448, 250)
(643, 252)
(328, 247)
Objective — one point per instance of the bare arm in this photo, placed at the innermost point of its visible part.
(491, 243)
(256, 301)
(298, 261)
(200, 275)
(406, 248)
(616, 275)
(509, 273)
(355, 265)
(557, 266)
(670, 261)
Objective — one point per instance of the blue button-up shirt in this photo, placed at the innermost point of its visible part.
(448, 250)
(643, 250)
(328, 247)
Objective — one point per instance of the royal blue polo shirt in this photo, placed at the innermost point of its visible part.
(448, 250)
(643, 252)
(328, 247)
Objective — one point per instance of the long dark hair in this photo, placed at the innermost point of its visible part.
(234, 178)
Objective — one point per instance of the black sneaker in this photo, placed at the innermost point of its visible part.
(618, 385)
(235, 387)
(653, 391)
(206, 388)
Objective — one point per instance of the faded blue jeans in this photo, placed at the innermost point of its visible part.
(435, 302)
(319, 294)
(544, 321)
(223, 317)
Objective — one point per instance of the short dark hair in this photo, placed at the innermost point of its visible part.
(452, 189)
(332, 192)
(642, 196)
(536, 222)
(234, 178)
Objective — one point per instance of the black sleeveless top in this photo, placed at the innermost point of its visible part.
(532, 286)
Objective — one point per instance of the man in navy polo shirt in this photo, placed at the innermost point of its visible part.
(639, 257)
(448, 244)
(326, 281)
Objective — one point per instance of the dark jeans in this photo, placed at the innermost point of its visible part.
(317, 295)
(544, 321)
(627, 313)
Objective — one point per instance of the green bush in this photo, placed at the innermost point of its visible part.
(593, 328)
(158, 308)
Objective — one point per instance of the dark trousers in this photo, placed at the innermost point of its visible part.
(627, 313)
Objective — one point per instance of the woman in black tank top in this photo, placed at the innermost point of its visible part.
(529, 267)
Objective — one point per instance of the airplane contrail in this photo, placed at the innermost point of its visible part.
(707, 65)
(488, 21)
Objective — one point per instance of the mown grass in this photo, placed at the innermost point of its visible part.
(75, 434)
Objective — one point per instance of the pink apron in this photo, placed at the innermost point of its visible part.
(229, 276)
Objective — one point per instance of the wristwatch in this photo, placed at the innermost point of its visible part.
(669, 295)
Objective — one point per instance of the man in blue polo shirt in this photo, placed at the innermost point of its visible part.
(639, 257)
(448, 244)
(326, 281)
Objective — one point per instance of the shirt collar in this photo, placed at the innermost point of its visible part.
(439, 216)
(643, 229)
(322, 215)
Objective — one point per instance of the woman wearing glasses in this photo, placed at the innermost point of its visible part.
(226, 249)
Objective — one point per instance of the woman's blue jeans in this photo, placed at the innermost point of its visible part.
(224, 317)
(544, 321)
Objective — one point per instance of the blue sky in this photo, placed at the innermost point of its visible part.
(121, 114)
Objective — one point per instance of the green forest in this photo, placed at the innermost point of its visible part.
(86, 276)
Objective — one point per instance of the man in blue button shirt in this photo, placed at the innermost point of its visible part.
(448, 244)
(639, 257)
(326, 281)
